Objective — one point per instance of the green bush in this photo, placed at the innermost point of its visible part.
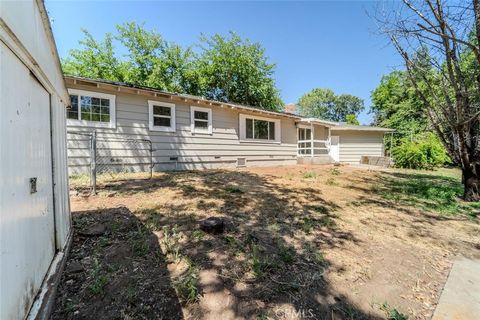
(424, 151)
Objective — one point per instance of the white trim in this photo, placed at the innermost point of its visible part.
(242, 117)
(172, 117)
(194, 130)
(94, 124)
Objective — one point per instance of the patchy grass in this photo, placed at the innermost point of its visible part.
(433, 193)
(299, 241)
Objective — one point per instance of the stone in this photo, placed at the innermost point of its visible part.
(95, 230)
(74, 267)
(212, 225)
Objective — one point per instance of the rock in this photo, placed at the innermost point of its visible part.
(74, 267)
(213, 225)
(95, 230)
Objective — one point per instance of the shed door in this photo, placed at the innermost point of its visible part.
(27, 216)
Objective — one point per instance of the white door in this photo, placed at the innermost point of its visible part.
(27, 237)
(335, 148)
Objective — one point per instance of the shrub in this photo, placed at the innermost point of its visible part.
(424, 151)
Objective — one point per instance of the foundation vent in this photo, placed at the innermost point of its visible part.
(241, 162)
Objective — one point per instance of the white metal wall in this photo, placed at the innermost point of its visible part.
(34, 227)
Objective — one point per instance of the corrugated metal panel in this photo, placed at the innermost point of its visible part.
(355, 144)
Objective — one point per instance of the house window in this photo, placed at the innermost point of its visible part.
(259, 129)
(91, 109)
(201, 120)
(161, 116)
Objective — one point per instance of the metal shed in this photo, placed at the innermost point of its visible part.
(35, 213)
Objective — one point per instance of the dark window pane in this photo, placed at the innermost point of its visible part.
(271, 132)
(308, 134)
(201, 124)
(95, 109)
(105, 102)
(161, 111)
(95, 101)
(86, 116)
(105, 118)
(201, 115)
(104, 110)
(74, 102)
(261, 129)
(249, 128)
(95, 117)
(72, 115)
(161, 122)
(85, 100)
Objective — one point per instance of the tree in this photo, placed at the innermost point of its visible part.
(325, 104)
(227, 69)
(396, 105)
(352, 119)
(95, 60)
(237, 70)
(447, 80)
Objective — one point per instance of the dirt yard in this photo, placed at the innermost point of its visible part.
(300, 242)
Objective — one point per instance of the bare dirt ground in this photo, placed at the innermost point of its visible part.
(300, 242)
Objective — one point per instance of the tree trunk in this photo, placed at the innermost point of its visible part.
(471, 184)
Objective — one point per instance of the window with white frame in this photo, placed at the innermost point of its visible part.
(161, 116)
(253, 128)
(93, 109)
(201, 120)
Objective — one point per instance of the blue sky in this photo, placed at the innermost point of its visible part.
(330, 44)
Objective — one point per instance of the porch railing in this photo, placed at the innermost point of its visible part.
(311, 147)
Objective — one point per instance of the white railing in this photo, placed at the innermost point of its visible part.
(307, 148)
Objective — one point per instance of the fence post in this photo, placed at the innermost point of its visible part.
(93, 162)
(151, 159)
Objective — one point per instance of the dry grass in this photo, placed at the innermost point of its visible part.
(301, 241)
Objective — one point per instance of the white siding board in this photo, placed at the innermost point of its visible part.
(194, 151)
(355, 144)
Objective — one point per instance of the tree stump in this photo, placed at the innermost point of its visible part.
(212, 225)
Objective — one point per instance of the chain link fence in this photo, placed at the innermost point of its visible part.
(94, 159)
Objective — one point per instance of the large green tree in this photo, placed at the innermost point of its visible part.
(238, 70)
(395, 104)
(228, 68)
(325, 104)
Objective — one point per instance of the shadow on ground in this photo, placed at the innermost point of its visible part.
(268, 263)
(115, 270)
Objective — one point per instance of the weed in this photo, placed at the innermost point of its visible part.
(139, 241)
(392, 313)
(310, 175)
(70, 307)
(331, 182)
(99, 279)
(187, 285)
(335, 172)
(198, 235)
(188, 189)
(233, 189)
(171, 239)
(286, 254)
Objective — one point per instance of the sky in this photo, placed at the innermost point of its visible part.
(314, 44)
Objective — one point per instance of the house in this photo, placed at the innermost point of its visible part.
(34, 207)
(190, 132)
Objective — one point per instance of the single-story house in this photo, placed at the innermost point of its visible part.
(35, 227)
(190, 132)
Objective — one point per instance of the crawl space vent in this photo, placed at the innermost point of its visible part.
(241, 162)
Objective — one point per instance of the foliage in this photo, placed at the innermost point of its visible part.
(352, 119)
(228, 69)
(325, 104)
(425, 151)
(396, 105)
(392, 313)
(237, 70)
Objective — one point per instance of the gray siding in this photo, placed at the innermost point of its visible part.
(355, 144)
(220, 149)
